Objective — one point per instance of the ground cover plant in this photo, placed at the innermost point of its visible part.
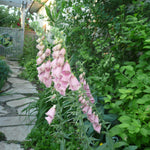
(107, 48)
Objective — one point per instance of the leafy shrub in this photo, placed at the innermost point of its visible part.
(131, 98)
(4, 72)
(29, 50)
(30, 71)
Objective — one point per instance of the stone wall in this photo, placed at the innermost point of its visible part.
(15, 50)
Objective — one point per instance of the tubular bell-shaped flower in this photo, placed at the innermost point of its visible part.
(47, 52)
(50, 114)
(74, 83)
(57, 47)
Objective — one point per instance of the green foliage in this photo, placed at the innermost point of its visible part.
(28, 59)
(5, 40)
(8, 19)
(110, 42)
(30, 72)
(4, 72)
(29, 50)
(132, 101)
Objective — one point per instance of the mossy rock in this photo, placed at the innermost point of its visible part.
(2, 137)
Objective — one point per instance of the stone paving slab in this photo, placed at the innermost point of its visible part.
(12, 146)
(13, 63)
(17, 80)
(15, 120)
(16, 103)
(29, 112)
(21, 131)
(22, 91)
(15, 72)
(5, 87)
(5, 98)
(3, 111)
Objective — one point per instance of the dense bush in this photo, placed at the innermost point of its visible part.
(110, 42)
(28, 59)
(4, 73)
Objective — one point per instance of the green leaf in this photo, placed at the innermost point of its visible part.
(130, 148)
(103, 147)
(107, 99)
(123, 96)
(146, 47)
(124, 125)
(144, 132)
(147, 90)
(110, 117)
(116, 130)
(48, 12)
(120, 144)
(125, 91)
(109, 141)
(125, 119)
(144, 99)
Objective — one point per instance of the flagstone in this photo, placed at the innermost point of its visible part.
(20, 102)
(5, 87)
(12, 146)
(5, 98)
(16, 120)
(28, 112)
(3, 111)
(20, 90)
(15, 72)
(17, 80)
(17, 133)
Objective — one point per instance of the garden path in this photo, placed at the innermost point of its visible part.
(15, 124)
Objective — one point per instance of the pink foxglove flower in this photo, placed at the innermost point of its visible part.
(85, 108)
(96, 119)
(91, 117)
(57, 84)
(97, 127)
(43, 56)
(88, 93)
(41, 76)
(55, 54)
(53, 63)
(74, 83)
(62, 91)
(92, 100)
(80, 98)
(43, 66)
(86, 87)
(48, 82)
(40, 53)
(62, 52)
(64, 84)
(39, 69)
(40, 47)
(89, 111)
(56, 72)
(50, 114)
(66, 71)
(48, 65)
(47, 74)
(83, 101)
(49, 120)
(47, 52)
(60, 61)
(65, 77)
(38, 40)
(57, 47)
(43, 37)
(39, 61)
